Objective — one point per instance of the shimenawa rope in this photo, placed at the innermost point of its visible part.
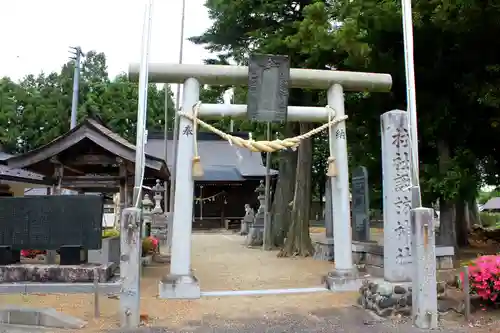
(260, 146)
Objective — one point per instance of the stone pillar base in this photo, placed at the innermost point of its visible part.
(387, 299)
(161, 258)
(343, 280)
(179, 287)
(50, 257)
(323, 250)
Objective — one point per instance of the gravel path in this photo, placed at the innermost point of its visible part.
(220, 262)
(337, 319)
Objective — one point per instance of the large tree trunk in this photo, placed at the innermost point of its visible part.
(298, 241)
(446, 235)
(461, 225)
(281, 208)
(473, 213)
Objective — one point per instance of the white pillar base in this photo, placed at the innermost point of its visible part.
(179, 287)
(344, 280)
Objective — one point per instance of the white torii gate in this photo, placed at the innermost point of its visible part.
(181, 283)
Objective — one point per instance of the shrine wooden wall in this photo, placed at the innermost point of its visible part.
(222, 201)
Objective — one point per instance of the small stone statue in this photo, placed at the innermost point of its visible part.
(247, 220)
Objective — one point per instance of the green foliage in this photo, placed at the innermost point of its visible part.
(456, 66)
(108, 233)
(483, 197)
(490, 220)
(37, 109)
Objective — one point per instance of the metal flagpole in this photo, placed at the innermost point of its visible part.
(77, 53)
(165, 141)
(411, 100)
(423, 250)
(177, 106)
(142, 105)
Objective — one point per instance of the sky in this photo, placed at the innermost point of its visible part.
(36, 34)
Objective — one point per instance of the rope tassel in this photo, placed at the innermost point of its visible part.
(260, 146)
(197, 166)
(332, 167)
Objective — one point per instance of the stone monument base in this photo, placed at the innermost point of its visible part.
(323, 249)
(388, 298)
(56, 273)
(179, 287)
(255, 236)
(371, 256)
(338, 280)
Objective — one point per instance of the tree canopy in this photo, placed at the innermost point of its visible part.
(37, 109)
(456, 66)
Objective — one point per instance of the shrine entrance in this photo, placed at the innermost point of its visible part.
(209, 256)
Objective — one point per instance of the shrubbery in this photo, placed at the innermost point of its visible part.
(149, 245)
(490, 220)
(107, 233)
(484, 278)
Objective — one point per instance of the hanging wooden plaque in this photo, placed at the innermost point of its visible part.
(268, 77)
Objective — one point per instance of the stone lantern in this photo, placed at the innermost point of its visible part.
(158, 190)
(147, 206)
(255, 235)
(159, 226)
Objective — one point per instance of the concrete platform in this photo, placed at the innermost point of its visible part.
(39, 317)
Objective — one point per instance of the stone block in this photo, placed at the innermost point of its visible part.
(373, 259)
(179, 287)
(387, 299)
(109, 252)
(444, 262)
(45, 317)
(343, 280)
(55, 273)
(323, 250)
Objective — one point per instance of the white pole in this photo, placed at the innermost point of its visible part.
(231, 101)
(183, 204)
(76, 85)
(142, 104)
(201, 202)
(340, 188)
(266, 244)
(177, 106)
(165, 142)
(411, 100)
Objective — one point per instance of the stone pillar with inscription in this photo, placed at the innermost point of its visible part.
(323, 248)
(360, 205)
(396, 196)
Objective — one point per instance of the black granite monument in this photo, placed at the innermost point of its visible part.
(68, 223)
